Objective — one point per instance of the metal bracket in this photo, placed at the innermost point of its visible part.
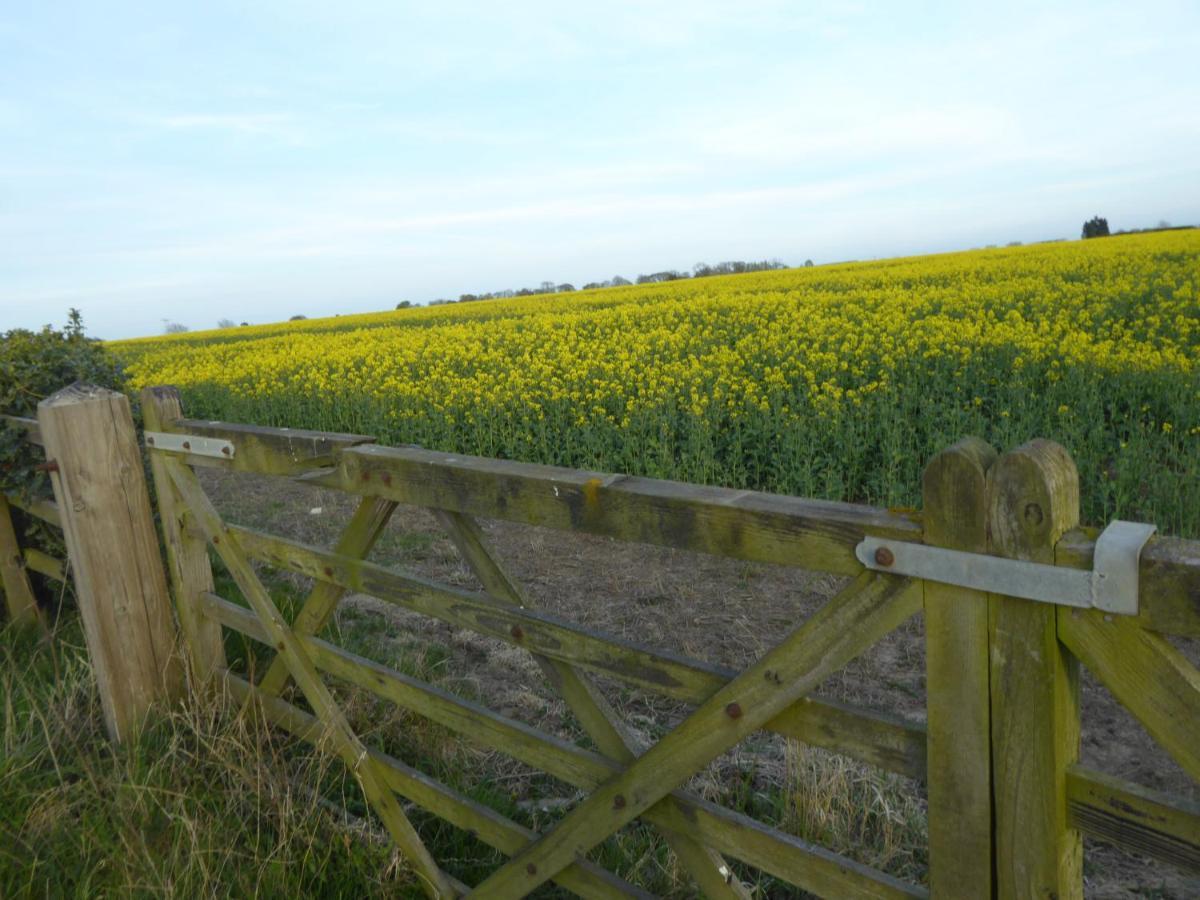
(1112, 585)
(189, 443)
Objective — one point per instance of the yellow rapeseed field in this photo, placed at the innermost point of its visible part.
(835, 381)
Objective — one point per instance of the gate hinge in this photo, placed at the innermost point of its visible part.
(1111, 586)
(190, 443)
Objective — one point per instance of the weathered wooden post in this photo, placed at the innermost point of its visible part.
(956, 659)
(1033, 498)
(187, 552)
(96, 471)
(18, 593)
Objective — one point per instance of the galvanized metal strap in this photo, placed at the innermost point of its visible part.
(190, 443)
(1112, 585)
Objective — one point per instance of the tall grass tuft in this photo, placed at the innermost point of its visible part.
(203, 802)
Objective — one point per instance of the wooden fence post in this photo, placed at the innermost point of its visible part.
(187, 553)
(1033, 498)
(18, 593)
(113, 548)
(958, 741)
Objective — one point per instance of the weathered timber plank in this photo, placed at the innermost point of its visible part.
(19, 601)
(112, 545)
(257, 448)
(873, 737)
(957, 678)
(37, 561)
(188, 564)
(750, 525)
(870, 607)
(359, 536)
(33, 431)
(1135, 818)
(46, 510)
(1033, 498)
(1168, 579)
(353, 752)
(808, 866)
(599, 720)
(1146, 673)
(584, 878)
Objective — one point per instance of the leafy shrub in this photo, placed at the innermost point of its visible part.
(33, 365)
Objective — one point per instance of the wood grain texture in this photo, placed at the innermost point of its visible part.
(870, 607)
(599, 720)
(1168, 578)
(1135, 818)
(808, 866)
(874, 737)
(19, 602)
(954, 490)
(1033, 499)
(749, 525)
(338, 731)
(258, 448)
(187, 554)
(1146, 673)
(113, 549)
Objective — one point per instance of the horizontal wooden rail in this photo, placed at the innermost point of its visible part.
(808, 866)
(1135, 818)
(46, 510)
(44, 563)
(878, 738)
(750, 525)
(267, 451)
(584, 878)
(1168, 575)
(33, 432)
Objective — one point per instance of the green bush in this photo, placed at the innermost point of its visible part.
(33, 365)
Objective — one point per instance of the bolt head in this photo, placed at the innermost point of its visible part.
(884, 556)
(734, 710)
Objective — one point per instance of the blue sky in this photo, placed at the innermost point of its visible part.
(257, 160)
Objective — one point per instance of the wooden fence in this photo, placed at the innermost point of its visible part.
(16, 562)
(1008, 800)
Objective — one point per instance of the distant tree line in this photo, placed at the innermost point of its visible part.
(700, 270)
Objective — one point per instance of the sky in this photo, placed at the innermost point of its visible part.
(253, 161)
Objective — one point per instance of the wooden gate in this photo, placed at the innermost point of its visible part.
(1008, 802)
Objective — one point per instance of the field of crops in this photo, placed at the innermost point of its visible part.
(836, 381)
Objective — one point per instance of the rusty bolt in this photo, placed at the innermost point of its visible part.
(328, 570)
(884, 556)
(517, 631)
(187, 445)
(734, 710)
(216, 539)
(50, 465)
(150, 441)
(619, 801)
(225, 450)
(531, 869)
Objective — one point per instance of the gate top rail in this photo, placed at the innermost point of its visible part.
(742, 524)
(33, 432)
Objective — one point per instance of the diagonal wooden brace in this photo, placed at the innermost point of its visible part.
(359, 536)
(712, 873)
(862, 613)
(353, 752)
